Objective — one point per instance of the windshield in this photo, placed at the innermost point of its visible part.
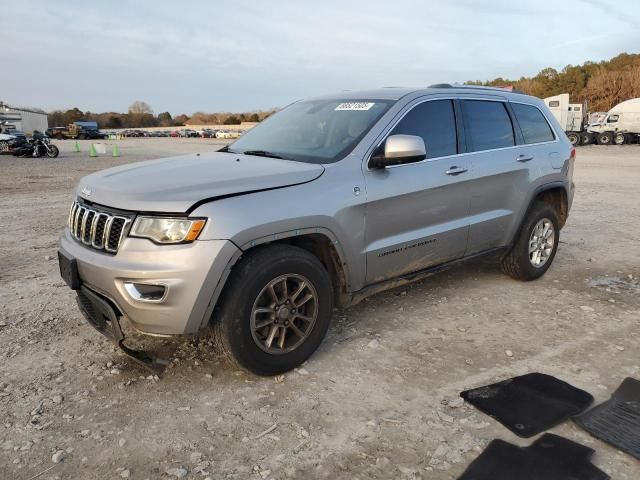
(316, 131)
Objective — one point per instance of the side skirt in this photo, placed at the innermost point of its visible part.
(357, 297)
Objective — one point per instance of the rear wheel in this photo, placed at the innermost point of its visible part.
(605, 138)
(59, 136)
(620, 139)
(536, 244)
(574, 138)
(275, 310)
(586, 138)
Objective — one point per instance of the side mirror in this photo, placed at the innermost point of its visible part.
(398, 150)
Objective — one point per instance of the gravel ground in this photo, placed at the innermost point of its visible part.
(378, 400)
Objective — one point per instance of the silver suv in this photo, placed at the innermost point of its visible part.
(326, 202)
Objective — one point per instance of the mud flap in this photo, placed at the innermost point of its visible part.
(101, 315)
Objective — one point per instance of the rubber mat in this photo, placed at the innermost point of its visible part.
(550, 457)
(617, 421)
(529, 404)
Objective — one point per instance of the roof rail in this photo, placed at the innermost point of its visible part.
(478, 87)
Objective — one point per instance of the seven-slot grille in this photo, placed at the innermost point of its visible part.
(98, 229)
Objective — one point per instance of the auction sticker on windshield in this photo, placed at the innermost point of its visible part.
(355, 106)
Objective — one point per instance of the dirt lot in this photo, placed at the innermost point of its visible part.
(373, 402)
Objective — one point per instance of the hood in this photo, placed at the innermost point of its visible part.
(175, 184)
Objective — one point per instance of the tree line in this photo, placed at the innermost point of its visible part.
(140, 115)
(599, 85)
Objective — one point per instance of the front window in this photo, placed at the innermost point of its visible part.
(612, 118)
(315, 131)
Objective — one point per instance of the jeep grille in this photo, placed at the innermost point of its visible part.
(97, 228)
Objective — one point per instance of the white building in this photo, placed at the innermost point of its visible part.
(23, 119)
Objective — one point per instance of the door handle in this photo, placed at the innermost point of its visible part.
(454, 170)
(524, 158)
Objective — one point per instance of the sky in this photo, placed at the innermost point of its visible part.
(241, 55)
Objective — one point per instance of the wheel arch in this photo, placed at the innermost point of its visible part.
(321, 243)
(554, 194)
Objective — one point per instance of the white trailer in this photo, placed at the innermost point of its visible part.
(620, 125)
(570, 116)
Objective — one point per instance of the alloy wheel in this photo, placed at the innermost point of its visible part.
(284, 313)
(541, 242)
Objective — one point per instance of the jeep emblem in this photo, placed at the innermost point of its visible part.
(86, 191)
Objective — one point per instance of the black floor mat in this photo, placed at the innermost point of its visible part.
(617, 421)
(550, 457)
(529, 404)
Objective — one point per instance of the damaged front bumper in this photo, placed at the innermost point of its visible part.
(99, 312)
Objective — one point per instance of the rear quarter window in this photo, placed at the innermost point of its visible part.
(534, 127)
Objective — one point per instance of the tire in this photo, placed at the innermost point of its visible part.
(53, 151)
(82, 136)
(247, 289)
(586, 138)
(620, 139)
(574, 138)
(59, 136)
(605, 138)
(518, 263)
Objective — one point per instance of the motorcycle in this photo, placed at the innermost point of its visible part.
(37, 146)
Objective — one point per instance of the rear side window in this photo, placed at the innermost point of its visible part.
(487, 125)
(534, 126)
(435, 122)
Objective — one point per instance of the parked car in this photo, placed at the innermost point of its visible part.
(329, 201)
(224, 134)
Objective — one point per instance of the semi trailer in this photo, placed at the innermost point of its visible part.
(618, 126)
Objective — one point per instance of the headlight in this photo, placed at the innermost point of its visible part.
(167, 230)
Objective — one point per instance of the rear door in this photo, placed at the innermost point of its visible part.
(504, 166)
(416, 214)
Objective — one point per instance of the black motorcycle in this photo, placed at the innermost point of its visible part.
(37, 146)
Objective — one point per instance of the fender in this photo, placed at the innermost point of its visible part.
(221, 283)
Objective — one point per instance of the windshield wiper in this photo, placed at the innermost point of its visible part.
(262, 153)
(226, 149)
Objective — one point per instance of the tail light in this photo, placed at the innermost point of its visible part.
(572, 156)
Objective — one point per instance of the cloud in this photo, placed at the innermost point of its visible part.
(249, 54)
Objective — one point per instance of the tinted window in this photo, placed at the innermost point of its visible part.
(487, 125)
(435, 122)
(534, 126)
(554, 103)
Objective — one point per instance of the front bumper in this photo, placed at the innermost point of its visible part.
(192, 274)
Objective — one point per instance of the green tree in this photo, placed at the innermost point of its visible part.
(165, 120)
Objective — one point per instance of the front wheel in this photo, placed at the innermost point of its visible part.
(275, 310)
(53, 151)
(536, 244)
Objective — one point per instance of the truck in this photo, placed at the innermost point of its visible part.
(621, 124)
(75, 132)
(571, 118)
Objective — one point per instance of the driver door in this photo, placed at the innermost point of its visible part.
(417, 213)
